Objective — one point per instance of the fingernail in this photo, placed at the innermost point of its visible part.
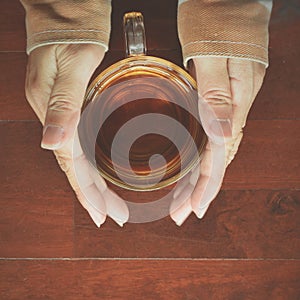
(221, 128)
(182, 213)
(201, 212)
(116, 207)
(52, 135)
(183, 217)
(98, 220)
(119, 223)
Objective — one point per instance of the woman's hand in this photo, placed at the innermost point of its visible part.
(227, 88)
(56, 81)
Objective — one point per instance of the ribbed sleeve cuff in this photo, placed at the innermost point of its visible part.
(227, 28)
(67, 22)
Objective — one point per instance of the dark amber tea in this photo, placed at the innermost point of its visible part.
(139, 125)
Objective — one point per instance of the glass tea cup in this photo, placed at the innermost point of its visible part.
(139, 125)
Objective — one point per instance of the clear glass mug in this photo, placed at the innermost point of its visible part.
(139, 125)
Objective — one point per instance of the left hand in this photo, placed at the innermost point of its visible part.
(56, 81)
(227, 88)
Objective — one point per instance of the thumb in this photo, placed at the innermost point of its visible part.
(63, 112)
(215, 101)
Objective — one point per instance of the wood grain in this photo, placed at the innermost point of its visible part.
(238, 224)
(281, 81)
(36, 216)
(246, 247)
(36, 194)
(12, 93)
(134, 280)
(12, 26)
(268, 157)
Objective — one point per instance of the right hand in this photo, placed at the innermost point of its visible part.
(56, 81)
(227, 88)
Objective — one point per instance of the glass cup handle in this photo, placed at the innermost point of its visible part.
(134, 30)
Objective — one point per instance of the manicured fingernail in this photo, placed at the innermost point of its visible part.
(181, 206)
(201, 212)
(119, 223)
(182, 213)
(220, 128)
(52, 136)
(98, 219)
(116, 207)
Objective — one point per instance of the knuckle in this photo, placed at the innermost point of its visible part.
(91, 53)
(63, 102)
(217, 97)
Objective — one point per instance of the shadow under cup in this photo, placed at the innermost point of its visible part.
(139, 125)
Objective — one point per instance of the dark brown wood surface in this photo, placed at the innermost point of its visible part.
(149, 279)
(246, 247)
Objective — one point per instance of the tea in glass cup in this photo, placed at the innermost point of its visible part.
(140, 126)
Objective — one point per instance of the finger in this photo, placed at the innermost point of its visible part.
(116, 207)
(182, 213)
(215, 101)
(84, 178)
(232, 150)
(96, 216)
(180, 186)
(259, 75)
(77, 168)
(40, 76)
(200, 214)
(180, 207)
(246, 78)
(91, 171)
(75, 66)
(211, 177)
(97, 212)
(87, 185)
(242, 83)
(184, 195)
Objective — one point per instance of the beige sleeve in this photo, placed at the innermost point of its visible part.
(67, 22)
(227, 28)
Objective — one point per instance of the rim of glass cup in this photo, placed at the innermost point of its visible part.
(162, 66)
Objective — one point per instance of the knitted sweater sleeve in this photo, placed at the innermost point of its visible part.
(227, 28)
(67, 22)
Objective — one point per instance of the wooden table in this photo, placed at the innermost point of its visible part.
(246, 247)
